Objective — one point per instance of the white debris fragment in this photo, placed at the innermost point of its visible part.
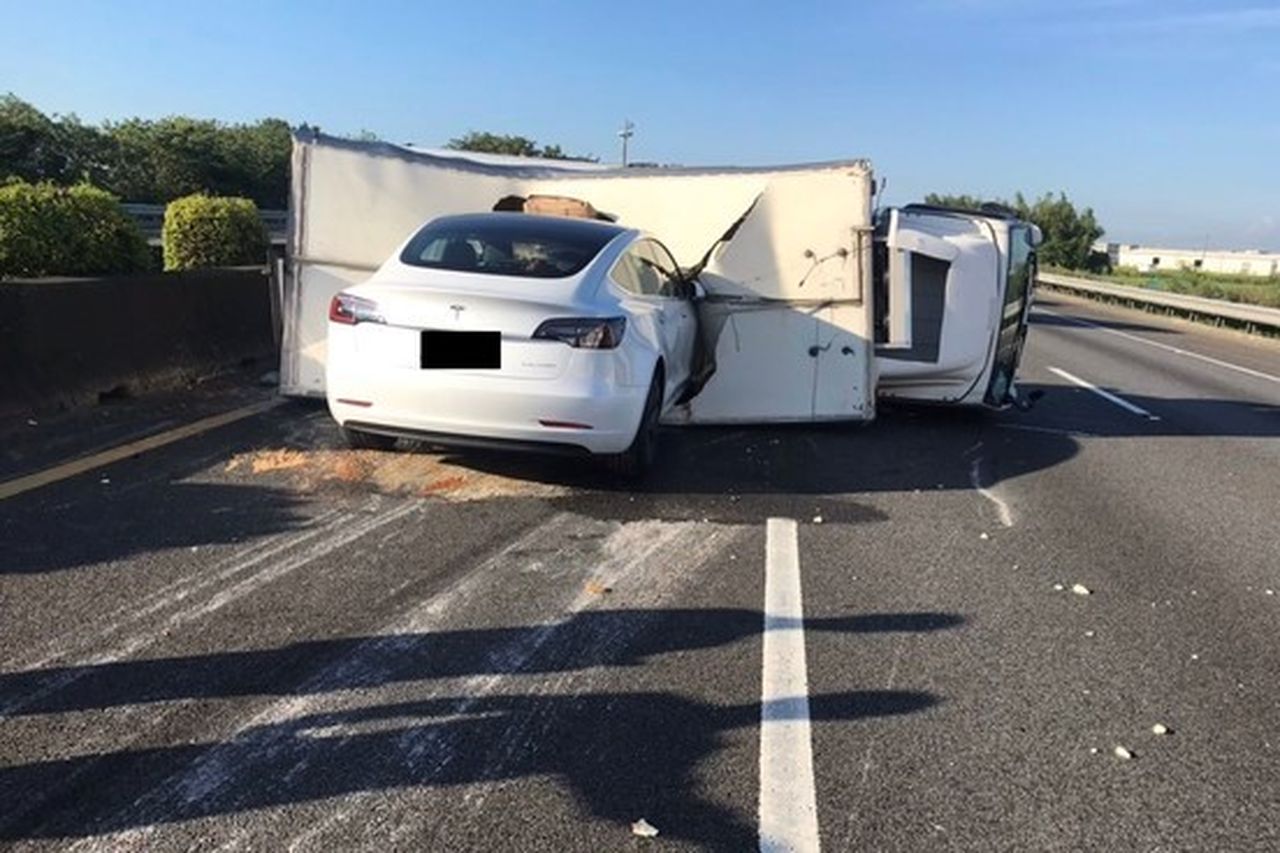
(32, 422)
(1122, 753)
(1081, 589)
(1089, 634)
(984, 535)
(1057, 587)
(644, 829)
(1159, 729)
(195, 548)
(733, 557)
(1093, 750)
(817, 519)
(1271, 592)
(106, 481)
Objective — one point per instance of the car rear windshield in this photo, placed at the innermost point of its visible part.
(508, 244)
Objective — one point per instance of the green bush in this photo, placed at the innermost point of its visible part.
(212, 231)
(79, 230)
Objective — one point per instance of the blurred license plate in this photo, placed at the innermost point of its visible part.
(444, 350)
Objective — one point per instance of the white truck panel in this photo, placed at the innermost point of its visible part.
(790, 285)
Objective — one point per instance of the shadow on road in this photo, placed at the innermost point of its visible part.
(124, 522)
(620, 754)
(592, 638)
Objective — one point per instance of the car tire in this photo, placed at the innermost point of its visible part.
(360, 440)
(634, 462)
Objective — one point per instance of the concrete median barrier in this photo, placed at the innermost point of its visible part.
(69, 342)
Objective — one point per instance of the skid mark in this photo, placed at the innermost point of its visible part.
(335, 536)
(1003, 511)
(172, 594)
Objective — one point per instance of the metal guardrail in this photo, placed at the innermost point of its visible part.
(150, 220)
(1253, 318)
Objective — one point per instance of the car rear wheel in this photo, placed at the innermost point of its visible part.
(634, 462)
(361, 440)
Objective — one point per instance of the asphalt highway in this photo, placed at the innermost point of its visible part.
(251, 638)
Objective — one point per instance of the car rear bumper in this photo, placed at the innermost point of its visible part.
(491, 412)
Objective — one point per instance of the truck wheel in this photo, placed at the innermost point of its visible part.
(361, 440)
(634, 462)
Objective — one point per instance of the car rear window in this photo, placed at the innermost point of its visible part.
(515, 244)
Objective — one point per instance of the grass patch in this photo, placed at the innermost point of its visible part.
(1251, 290)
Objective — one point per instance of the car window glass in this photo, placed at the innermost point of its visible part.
(507, 244)
(658, 262)
(626, 272)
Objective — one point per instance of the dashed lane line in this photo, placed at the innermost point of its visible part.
(1217, 362)
(1105, 394)
(788, 802)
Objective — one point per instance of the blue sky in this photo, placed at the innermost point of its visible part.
(1163, 115)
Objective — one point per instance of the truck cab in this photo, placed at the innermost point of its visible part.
(953, 292)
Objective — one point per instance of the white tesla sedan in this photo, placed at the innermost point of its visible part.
(515, 330)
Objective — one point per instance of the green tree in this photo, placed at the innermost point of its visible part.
(518, 146)
(29, 144)
(1069, 233)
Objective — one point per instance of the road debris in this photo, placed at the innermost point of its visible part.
(1270, 592)
(1089, 634)
(1081, 589)
(817, 519)
(1159, 729)
(1057, 587)
(106, 481)
(984, 535)
(1093, 750)
(594, 587)
(32, 422)
(1122, 753)
(644, 829)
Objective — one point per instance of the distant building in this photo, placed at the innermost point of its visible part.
(1152, 259)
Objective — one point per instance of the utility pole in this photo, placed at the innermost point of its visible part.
(628, 131)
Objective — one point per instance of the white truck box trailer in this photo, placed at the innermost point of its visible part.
(811, 306)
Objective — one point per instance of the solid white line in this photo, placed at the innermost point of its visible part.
(788, 801)
(10, 488)
(1248, 371)
(1106, 395)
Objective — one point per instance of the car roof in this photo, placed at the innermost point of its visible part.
(536, 225)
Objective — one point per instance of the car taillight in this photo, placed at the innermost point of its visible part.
(349, 310)
(584, 332)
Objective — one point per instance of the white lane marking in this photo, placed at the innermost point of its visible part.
(1248, 371)
(1002, 509)
(10, 488)
(1104, 394)
(1071, 433)
(788, 801)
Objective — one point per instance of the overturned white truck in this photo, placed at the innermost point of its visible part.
(811, 305)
